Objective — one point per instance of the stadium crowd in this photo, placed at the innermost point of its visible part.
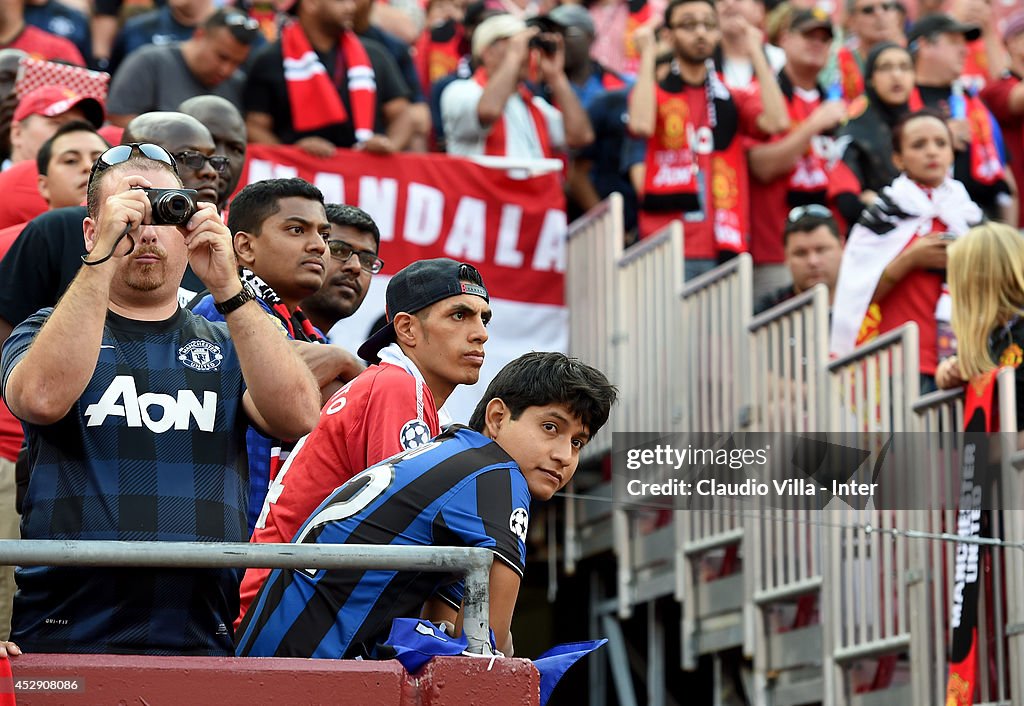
(850, 150)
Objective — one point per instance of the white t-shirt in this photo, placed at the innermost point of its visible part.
(465, 136)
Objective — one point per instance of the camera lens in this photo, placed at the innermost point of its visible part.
(173, 208)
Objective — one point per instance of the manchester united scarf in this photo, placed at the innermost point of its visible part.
(972, 521)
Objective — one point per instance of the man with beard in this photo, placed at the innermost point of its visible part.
(694, 127)
(45, 258)
(160, 398)
(353, 246)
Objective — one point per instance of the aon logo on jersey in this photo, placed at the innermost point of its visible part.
(155, 411)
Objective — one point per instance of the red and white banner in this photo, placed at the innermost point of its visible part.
(512, 230)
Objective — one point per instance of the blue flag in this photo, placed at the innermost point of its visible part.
(554, 663)
(414, 642)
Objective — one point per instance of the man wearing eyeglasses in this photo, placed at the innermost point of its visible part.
(280, 234)
(161, 77)
(353, 247)
(134, 410)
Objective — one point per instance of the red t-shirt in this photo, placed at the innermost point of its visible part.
(384, 411)
(40, 44)
(914, 299)
(21, 200)
(771, 201)
(11, 433)
(996, 97)
(699, 236)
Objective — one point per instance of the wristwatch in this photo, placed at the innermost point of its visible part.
(226, 307)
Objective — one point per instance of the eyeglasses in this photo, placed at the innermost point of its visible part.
(118, 154)
(694, 25)
(342, 251)
(195, 160)
(880, 7)
(813, 209)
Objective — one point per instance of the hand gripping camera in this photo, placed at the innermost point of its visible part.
(172, 207)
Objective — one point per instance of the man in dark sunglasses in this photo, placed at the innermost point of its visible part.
(162, 76)
(160, 398)
(871, 22)
(227, 126)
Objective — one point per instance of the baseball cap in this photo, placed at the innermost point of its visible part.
(940, 24)
(1014, 26)
(416, 287)
(53, 100)
(572, 16)
(494, 28)
(806, 20)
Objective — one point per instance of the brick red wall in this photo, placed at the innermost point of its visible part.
(224, 681)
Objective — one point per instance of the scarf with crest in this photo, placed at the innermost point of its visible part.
(299, 327)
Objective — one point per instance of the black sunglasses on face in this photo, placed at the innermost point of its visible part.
(342, 251)
(118, 154)
(195, 160)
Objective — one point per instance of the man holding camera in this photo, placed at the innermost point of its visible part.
(494, 113)
(135, 412)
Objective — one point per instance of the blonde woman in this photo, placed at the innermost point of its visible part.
(986, 282)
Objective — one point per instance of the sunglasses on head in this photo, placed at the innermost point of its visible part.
(239, 20)
(342, 251)
(119, 154)
(196, 160)
(814, 209)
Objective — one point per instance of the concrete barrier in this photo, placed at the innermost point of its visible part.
(134, 680)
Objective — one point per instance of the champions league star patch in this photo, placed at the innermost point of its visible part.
(519, 522)
(414, 434)
(200, 355)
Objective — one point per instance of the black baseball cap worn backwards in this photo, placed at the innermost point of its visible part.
(416, 287)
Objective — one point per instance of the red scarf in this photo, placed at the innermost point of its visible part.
(438, 51)
(497, 143)
(679, 175)
(850, 76)
(639, 14)
(985, 165)
(312, 93)
(981, 417)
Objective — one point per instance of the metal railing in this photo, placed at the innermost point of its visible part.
(882, 578)
(595, 243)
(473, 562)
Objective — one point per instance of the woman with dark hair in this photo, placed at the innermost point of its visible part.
(893, 266)
(888, 81)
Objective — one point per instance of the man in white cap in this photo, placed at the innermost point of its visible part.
(494, 113)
